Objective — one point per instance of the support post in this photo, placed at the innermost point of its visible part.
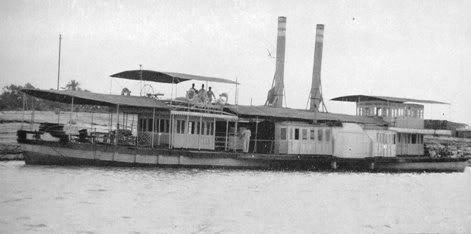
(159, 133)
(235, 136)
(256, 135)
(24, 109)
(32, 114)
(153, 127)
(200, 132)
(170, 142)
(227, 134)
(117, 125)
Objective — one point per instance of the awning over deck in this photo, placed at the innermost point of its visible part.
(289, 114)
(362, 98)
(206, 115)
(166, 77)
(89, 98)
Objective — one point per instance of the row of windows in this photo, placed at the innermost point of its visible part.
(195, 127)
(161, 125)
(410, 138)
(294, 134)
(391, 112)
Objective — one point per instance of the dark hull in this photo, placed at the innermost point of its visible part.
(105, 155)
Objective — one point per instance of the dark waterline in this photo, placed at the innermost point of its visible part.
(110, 199)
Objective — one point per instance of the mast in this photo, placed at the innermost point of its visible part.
(276, 93)
(59, 63)
(316, 87)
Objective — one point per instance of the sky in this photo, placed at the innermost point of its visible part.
(416, 49)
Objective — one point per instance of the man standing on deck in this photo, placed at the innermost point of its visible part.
(210, 95)
(202, 94)
(245, 136)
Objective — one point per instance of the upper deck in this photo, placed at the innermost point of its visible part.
(398, 112)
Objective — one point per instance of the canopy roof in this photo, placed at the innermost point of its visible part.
(358, 98)
(166, 77)
(89, 98)
(288, 113)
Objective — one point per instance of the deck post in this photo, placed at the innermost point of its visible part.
(170, 142)
(32, 114)
(199, 131)
(24, 107)
(256, 136)
(153, 127)
(111, 120)
(117, 125)
(235, 136)
(227, 134)
(158, 130)
(213, 131)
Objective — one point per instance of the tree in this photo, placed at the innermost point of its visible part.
(12, 98)
(72, 85)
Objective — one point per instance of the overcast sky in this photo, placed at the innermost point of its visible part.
(414, 49)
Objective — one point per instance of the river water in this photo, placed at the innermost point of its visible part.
(60, 199)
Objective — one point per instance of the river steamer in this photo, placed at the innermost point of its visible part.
(386, 134)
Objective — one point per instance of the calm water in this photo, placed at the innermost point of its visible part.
(98, 200)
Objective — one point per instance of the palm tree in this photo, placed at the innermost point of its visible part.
(72, 85)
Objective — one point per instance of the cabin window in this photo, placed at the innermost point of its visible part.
(198, 126)
(143, 124)
(319, 134)
(203, 127)
(210, 128)
(327, 134)
(181, 126)
(304, 134)
(296, 133)
(149, 125)
(414, 139)
(283, 133)
(313, 134)
(394, 139)
(421, 138)
(191, 127)
(164, 125)
(291, 134)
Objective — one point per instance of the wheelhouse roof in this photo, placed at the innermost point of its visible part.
(166, 77)
(288, 113)
(89, 98)
(358, 98)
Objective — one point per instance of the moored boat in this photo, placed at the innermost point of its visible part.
(193, 131)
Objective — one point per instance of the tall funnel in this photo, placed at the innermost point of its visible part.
(316, 88)
(276, 93)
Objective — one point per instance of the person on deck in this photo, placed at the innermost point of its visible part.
(191, 92)
(202, 94)
(245, 136)
(210, 95)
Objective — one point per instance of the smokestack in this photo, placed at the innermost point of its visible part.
(275, 95)
(316, 88)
